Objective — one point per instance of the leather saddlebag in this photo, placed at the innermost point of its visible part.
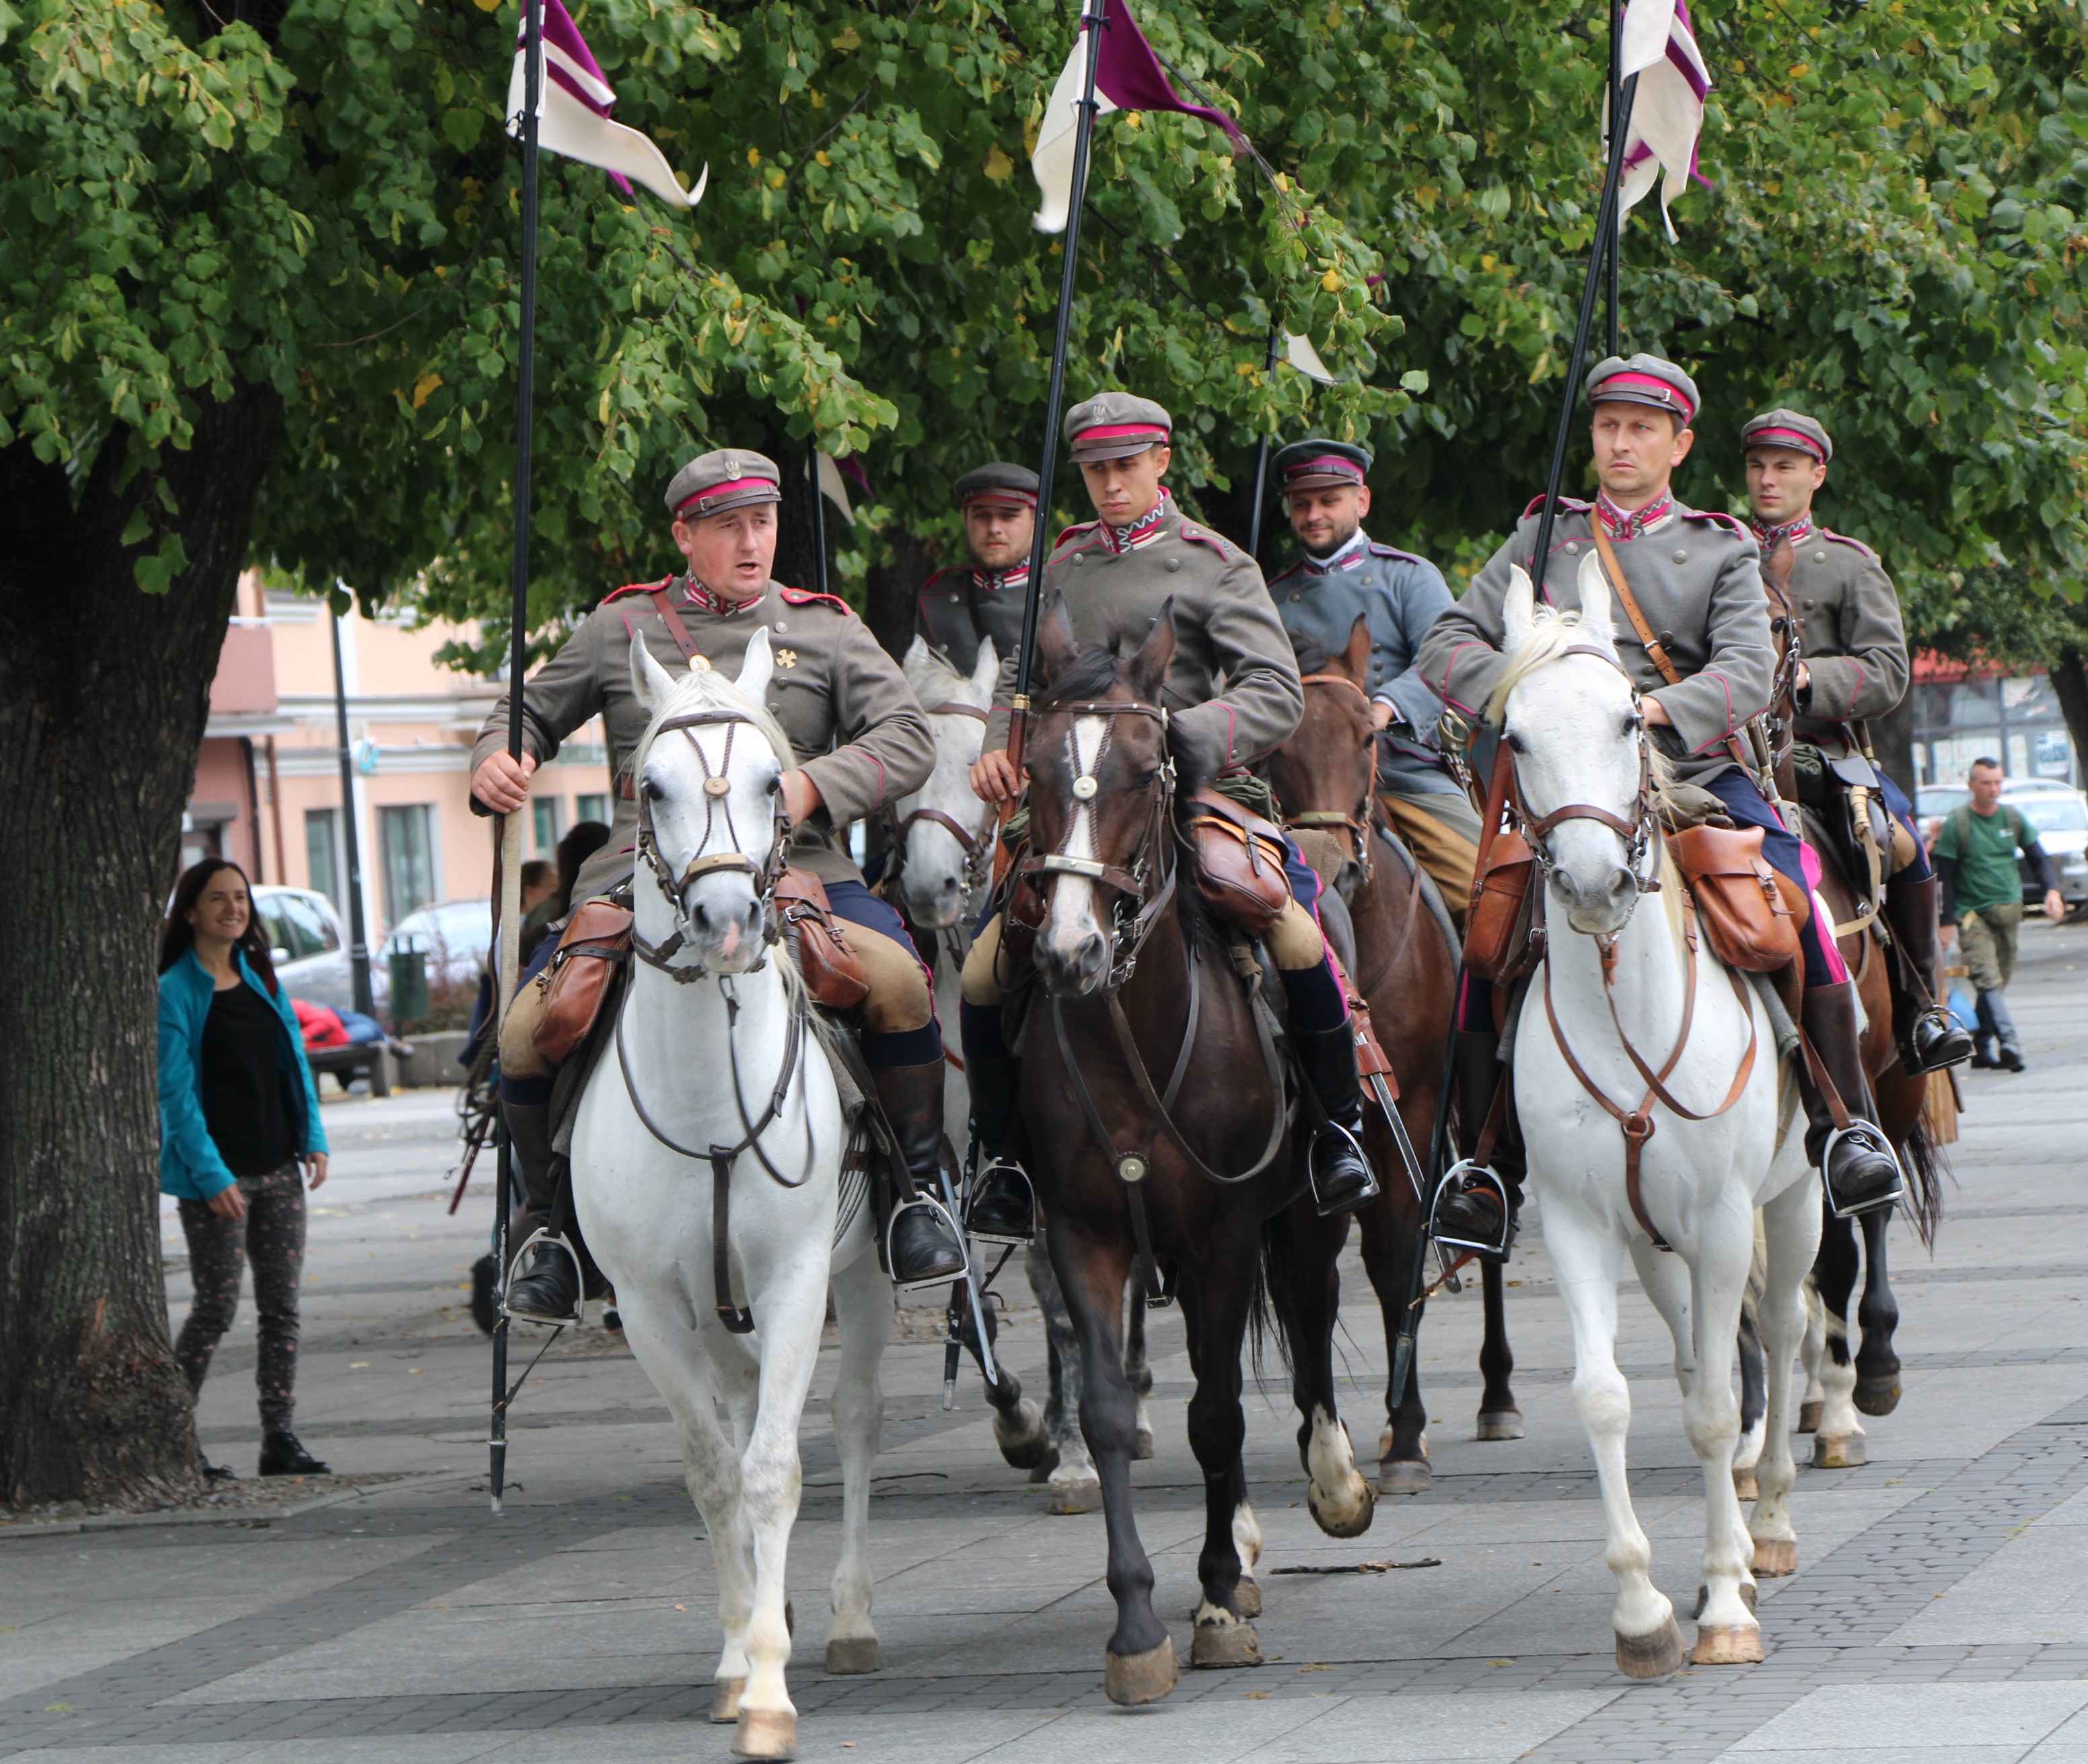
(1748, 910)
(1498, 928)
(833, 970)
(1238, 863)
(595, 942)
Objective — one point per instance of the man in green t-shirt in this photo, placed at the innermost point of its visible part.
(1976, 855)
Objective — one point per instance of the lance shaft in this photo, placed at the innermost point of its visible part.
(1018, 721)
(1613, 245)
(1262, 455)
(1606, 223)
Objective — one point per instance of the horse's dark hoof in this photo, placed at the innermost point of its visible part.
(849, 1654)
(1657, 1656)
(1878, 1396)
(1501, 1424)
(1840, 1451)
(1808, 1416)
(1131, 1679)
(1218, 1646)
(1405, 1476)
(1020, 1434)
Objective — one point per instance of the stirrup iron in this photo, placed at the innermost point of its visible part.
(1454, 1181)
(1003, 1167)
(1866, 1133)
(921, 1200)
(556, 1240)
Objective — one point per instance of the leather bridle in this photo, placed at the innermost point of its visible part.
(1356, 822)
(975, 843)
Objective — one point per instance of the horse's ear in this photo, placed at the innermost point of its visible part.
(1355, 659)
(1519, 609)
(1594, 586)
(653, 684)
(1054, 638)
(986, 671)
(916, 656)
(756, 670)
(1156, 655)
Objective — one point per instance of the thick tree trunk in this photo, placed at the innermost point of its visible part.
(1892, 740)
(2069, 684)
(892, 604)
(104, 692)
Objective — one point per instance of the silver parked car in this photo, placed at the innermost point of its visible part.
(454, 936)
(307, 944)
(2059, 814)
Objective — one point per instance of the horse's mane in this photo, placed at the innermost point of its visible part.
(1552, 632)
(705, 689)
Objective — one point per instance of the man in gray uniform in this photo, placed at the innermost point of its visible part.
(861, 741)
(1853, 664)
(960, 608)
(1344, 575)
(1696, 578)
(1119, 573)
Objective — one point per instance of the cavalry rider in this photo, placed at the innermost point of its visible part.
(960, 608)
(1345, 575)
(1119, 572)
(1853, 664)
(862, 741)
(1695, 576)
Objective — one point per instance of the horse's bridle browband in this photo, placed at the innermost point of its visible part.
(1636, 833)
(1136, 883)
(976, 844)
(1357, 822)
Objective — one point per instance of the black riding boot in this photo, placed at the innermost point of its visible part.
(1470, 1213)
(547, 1290)
(1856, 1164)
(1002, 1205)
(1341, 1177)
(1929, 1038)
(923, 1249)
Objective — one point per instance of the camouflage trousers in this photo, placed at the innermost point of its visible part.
(272, 1236)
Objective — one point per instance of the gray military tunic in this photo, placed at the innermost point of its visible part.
(959, 607)
(1695, 576)
(1226, 628)
(1319, 600)
(859, 733)
(1852, 641)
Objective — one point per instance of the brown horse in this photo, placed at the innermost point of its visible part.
(1406, 971)
(1136, 989)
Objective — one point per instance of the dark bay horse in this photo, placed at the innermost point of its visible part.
(1137, 992)
(1406, 971)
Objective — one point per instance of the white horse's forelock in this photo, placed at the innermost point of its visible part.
(705, 689)
(1553, 631)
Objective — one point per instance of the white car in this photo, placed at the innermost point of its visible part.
(307, 944)
(454, 936)
(2059, 814)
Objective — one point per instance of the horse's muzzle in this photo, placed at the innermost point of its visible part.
(1077, 971)
(1599, 909)
(721, 918)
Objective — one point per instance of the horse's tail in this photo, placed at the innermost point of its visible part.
(1926, 1164)
(1272, 1309)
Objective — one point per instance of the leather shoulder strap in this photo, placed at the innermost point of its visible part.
(675, 628)
(1622, 590)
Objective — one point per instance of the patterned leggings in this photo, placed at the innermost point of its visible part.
(272, 1237)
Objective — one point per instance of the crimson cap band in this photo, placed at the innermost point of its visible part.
(1792, 429)
(998, 482)
(1114, 426)
(1317, 464)
(1644, 379)
(730, 478)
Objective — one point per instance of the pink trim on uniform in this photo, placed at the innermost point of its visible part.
(1023, 498)
(1118, 432)
(879, 765)
(1726, 687)
(1787, 437)
(1647, 382)
(730, 487)
(1450, 673)
(1830, 951)
(1332, 462)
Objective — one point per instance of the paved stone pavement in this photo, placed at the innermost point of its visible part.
(1937, 1614)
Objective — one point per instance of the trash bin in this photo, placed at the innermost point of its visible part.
(409, 985)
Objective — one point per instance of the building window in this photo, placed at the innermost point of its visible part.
(322, 853)
(409, 859)
(549, 814)
(593, 808)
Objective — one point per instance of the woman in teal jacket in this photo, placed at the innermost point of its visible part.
(239, 1124)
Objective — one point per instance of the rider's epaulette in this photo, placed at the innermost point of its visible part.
(805, 596)
(1567, 505)
(1202, 535)
(637, 587)
(1378, 549)
(1738, 528)
(1856, 546)
(1078, 526)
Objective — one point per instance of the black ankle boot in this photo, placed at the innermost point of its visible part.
(1470, 1213)
(1002, 1205)
(1929, 1038)
(923, 1249)
(282, 1455)
(1341, 1177)
(548, 1291)
(1856, 1162)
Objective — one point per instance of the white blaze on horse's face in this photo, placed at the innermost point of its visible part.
(935, 866)
(1573, 723)
(1073, 943)
(710, 791)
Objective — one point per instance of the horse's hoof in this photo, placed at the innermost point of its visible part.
(724, 1700)
(1774, 1558)
(1500, 1424)
(1728, 1644)
(1247, 1596)
(1808, 1416)
(847, 1654)
(1349, 1518)
(1704, 1597)
(1878, 1396)
(1020, 1436)
(1041, 1470)
(1656, 1656)
(1838, 1451)
(1405, 1476)
(1218, 1646)
(1131, 1679)
(1081, 1495)
(766, 1733)
(1745, 1486)
(1141, 1444)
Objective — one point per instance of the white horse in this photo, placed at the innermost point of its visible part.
(716, 1065)
(1574, 725)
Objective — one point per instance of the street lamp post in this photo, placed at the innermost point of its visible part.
(358, 942)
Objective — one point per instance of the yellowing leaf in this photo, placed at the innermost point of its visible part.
(998, 165)
(754, 156)
(849, 39)
(1332, 282)
(423, 388)
(489, 6)
(821, 157)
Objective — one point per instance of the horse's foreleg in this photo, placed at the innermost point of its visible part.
(1387, 1225)
(1499, 1417)
(1216, 1309)
(1140, 1663)
(1812, 1357)
(1877, 1363)
(1137, 1370)
(1339, 1497)
(1791, 1230)
(1067, 1467)
(1749, 1453)
(862, 1308)
(1837, 1442)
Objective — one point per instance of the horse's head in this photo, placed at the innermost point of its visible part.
(945, 832)
(1583, 780)
(709, 771)
(1324, 774)
(1101, 785)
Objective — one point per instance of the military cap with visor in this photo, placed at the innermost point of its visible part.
(729, 478)
(998, 482)
(1789, 429)
(1114, 426)
(1644, 379)
(1317, 464)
